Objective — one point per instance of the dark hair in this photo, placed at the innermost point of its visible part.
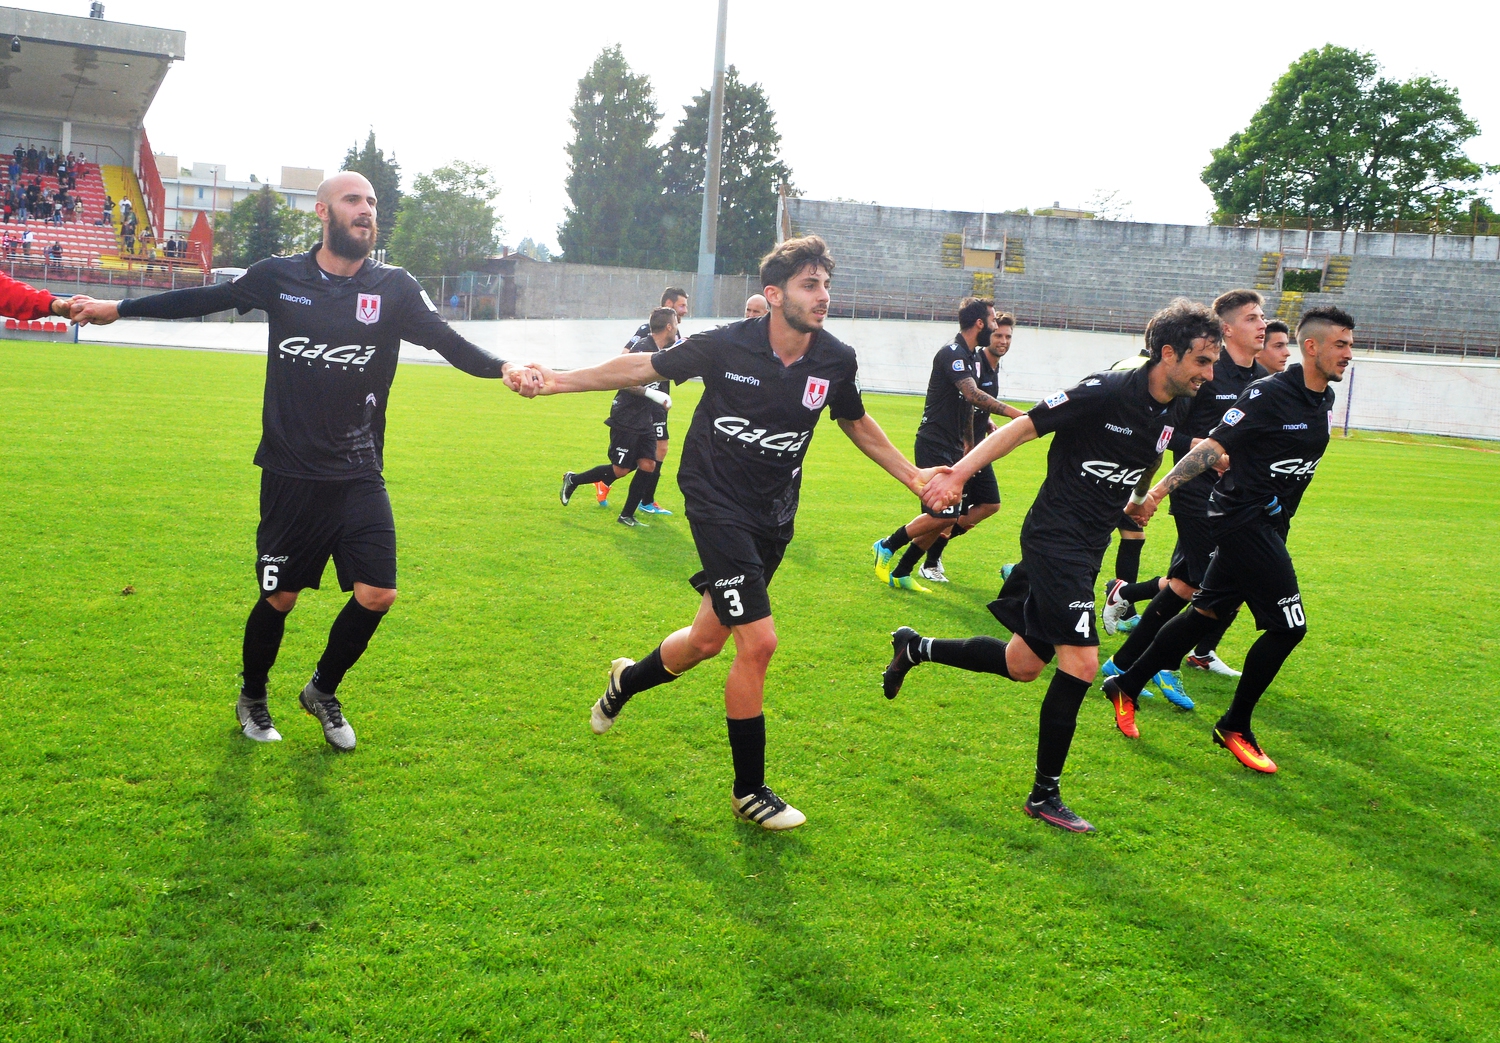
(672, 293)
(972, 310)
(791, 256)
(1179, 324)
(1326, 314)
(1005, 318)
(661, 318)
(1277, 326)
(1225, 303)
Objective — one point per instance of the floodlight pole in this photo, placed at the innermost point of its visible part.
(708, 232)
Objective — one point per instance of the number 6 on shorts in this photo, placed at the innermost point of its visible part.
(268, 578)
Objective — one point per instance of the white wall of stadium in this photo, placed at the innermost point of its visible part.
(1419, 395)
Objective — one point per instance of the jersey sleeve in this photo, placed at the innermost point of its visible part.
(694, 357)
(845, 402)
(420, 323)
(1068, 407)
(20, 301)
(255, 288)
(956, 364)
(1248, 419)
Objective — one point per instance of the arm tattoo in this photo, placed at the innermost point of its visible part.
(1201, 458)
(972, 395)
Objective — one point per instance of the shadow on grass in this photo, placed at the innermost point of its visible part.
(224, 951)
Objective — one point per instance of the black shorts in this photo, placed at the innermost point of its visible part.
(1129, 524)
(979, 490)
(626, 447)
(1251, 566)
(1049, 601)
(1195, 544)
(738, 565)
(659, 430)
(303, 522)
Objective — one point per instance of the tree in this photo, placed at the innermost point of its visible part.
(262, 225)
(750, 171)
(447, 224)
(614, 172)
(536, 251)
(385, 175)
(1339, 144)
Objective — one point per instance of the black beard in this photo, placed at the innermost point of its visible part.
(984, 337)
(797, 319)
(342, 244)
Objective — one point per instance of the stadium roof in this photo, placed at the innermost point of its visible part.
(85, 69)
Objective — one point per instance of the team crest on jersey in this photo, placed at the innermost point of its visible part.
(367, 310)
(1164, 438)
(1056, 399)
(816, 393)
(958, 365)
(1234, 416)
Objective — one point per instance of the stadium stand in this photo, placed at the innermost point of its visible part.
(1438, 294)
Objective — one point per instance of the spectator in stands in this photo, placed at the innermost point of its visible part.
(54, 253)
(31, 160)
(11, 244)
(70, 206)
(109, 208)
(14, 172)
(27, 238)
(127, 232)
(19, 153)
(72, 177)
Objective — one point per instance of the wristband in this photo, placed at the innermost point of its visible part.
(1136, 499)
(657, 397)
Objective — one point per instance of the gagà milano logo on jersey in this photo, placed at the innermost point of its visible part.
(367, 308)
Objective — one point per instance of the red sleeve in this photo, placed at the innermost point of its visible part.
(20, 301)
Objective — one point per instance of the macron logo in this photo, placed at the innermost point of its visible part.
(295, 300)
(737, 378)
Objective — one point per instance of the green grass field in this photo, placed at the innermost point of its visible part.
(483, 867)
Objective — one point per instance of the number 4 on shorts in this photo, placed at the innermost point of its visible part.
(1083, 624)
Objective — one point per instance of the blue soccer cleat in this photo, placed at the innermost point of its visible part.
(883, 556)
(1169, 682)
(1125, 626)
(654, 508)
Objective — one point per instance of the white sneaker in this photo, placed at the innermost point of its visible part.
(1212, 663)
(255, 720)
(933, 572)
(602, 717)
(1116, 608)
(766, 810)
(330, 714)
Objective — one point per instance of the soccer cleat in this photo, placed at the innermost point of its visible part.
(330, 714)
(655, 508)
(883, 556)
(933, 572)
(1169, 683)
(1006, 570)
(1054, 812)
(602, 717)
(1124, 705)
(766, 810)
(1116, 608)
(1127, 625)
(907, 583)
(570, 482)
(629, 520)
(1245, 749)
(255, 719)
(601, 494)
(901, 660)
(1212, 663)
(1109, 669)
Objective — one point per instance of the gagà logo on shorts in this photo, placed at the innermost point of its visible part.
(733, 581)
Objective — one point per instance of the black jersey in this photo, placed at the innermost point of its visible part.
(1109, 431)
(947, 417)
(642, 340)
(988, 379)
(332, 356)
(1275, 434)
(742, 459)
(630, 411)
(1208, 406)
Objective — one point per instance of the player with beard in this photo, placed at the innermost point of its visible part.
(337, 320)
(1109, 432)
(945, 434)
(1244, 334)
(766, 382)
(676, 299)
(1273, 437)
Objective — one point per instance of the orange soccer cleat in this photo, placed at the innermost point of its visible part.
(1124, 705)
(601, 493)
(1245, 749)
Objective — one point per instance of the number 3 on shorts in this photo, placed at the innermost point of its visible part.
(1083, 624)
(268, 577)
(733, 597)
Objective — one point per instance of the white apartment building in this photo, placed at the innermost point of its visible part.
(206, 188)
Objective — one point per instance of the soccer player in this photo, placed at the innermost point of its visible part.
(1244, 333)
(756, 306)
(337, 320)
(766, 383)
(1278, 349)
(676, 298)
(945, 434)
(1273, 436)
(1109, 431)
(633, 428)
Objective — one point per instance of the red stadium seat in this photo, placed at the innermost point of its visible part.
(36, 324)
(10, 324)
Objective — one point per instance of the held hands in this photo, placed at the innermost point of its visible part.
(940, 487)
(1143, 510)
(84, 311)
(529, 380)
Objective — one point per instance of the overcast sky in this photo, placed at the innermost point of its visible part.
(956, 105)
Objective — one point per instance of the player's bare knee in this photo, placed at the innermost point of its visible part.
(621, 472)
(375, 599)
(283, 600)
(758, 647)
(705, 644)
(980, 513)
(1181, 589)
(646, 465)
(1024, 672)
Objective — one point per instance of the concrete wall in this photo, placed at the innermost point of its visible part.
(1386, 393)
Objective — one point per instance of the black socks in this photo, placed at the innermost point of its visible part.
(603, 473)
(908, 561)
(935, 552)
(1211, 642)
(648, 673)
(347, 640)
(896, 540)
(982, 654)
(1128, 560)
(1143, 591)
(1261, 664)
(1059, 718)
(747, 746)
(1166, 651)
(1166, 605)
(263, 632)
(642, 487)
